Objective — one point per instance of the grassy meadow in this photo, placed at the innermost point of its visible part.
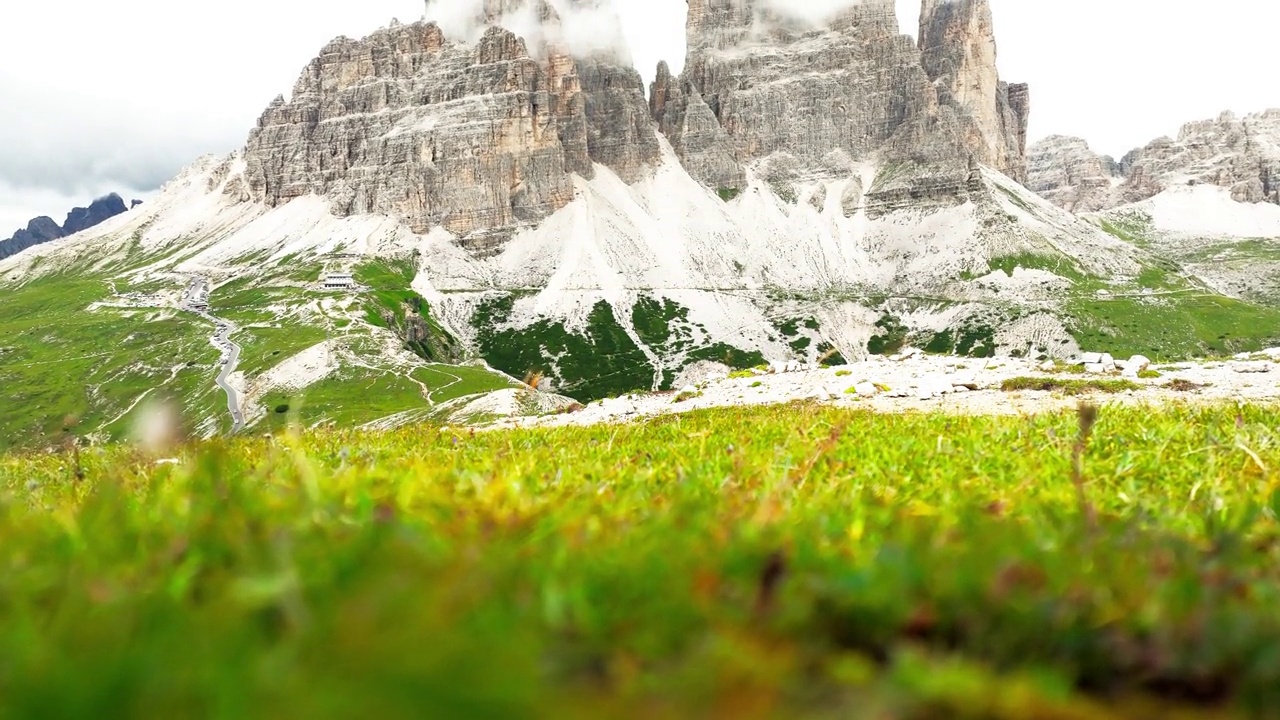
(786, 562)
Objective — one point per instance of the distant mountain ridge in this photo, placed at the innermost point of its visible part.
(44, 229)
(1238, 154)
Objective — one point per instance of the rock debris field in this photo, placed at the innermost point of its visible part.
(915, 382)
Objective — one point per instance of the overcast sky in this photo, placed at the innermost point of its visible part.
(102, 96)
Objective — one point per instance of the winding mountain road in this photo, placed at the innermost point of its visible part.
(231, 351)
(197, 301)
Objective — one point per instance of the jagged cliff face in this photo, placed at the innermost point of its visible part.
(477, 138)
(958, 49)
(1241, 155)
(794, 100)
(1065, 171)
(483, 135)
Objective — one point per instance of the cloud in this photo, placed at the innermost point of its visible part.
(54, 143)
(585, 28)
(810, 12)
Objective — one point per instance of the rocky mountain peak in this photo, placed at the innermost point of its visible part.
(480, 128)
(760, 85)
(1239, 154)
(1067, 172)
(476, 135)
(44, 229)
(958, 49)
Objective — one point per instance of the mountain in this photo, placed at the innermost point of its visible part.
(440, 209)
(44, 229)
(767, 93)
(1208, 200)
(826, 176)
(1239, 155)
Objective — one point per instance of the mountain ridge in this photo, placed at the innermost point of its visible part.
(44, 229)
(1239, 154)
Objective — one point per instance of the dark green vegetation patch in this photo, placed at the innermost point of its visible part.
(746, 564)
(392, 303)
(603, 360)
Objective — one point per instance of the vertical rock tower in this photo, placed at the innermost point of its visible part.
(481, 133)
(958, 49)
(761, 85)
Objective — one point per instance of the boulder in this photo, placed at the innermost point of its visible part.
(1137, 364)
(1091, 358)
(866, 390)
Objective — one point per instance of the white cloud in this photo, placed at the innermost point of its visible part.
(586, 27)
(813, 12)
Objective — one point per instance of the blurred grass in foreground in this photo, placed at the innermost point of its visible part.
(795, 561)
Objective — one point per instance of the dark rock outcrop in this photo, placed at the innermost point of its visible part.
(99, 211)
(44, 229)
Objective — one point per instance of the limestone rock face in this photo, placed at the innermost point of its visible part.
(1241, 155)
(479, 138)
(1066, 172)
(958, 49)
(759, 84)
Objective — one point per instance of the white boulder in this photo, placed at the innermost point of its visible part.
(1137, 364)
(1096, 368)
(1091, 358)
(866, 390)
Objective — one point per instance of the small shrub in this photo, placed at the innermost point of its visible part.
(1149, 375)
(843, 373)
(1069, 387)
(687, 396)
(757, 384)
(741, 374)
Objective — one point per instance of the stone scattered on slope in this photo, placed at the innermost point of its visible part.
(930, 383)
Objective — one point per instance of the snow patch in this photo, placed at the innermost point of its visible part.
(1208, 210)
